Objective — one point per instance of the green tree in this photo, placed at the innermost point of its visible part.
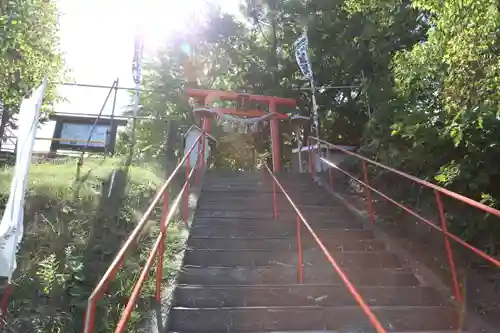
(223, 60)
(442, 123)
(347, 47)
(447, 93)
(29, 49)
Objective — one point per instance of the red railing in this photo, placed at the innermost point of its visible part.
(159, 246)
(438, 191)
(302, 220)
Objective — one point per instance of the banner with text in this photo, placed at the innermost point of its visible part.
(301, 46)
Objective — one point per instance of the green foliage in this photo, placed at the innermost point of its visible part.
(427, 71)
(70, 240)
(235, 151)
(442, 122)
(29, 50)
(447, 88)
(224, 58)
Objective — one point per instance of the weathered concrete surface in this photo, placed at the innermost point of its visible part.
(240, 272)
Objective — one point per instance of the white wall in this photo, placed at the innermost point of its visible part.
(189, 141)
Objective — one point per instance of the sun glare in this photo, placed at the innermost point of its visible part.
(162, 20)
(100, 31)
(97, 38)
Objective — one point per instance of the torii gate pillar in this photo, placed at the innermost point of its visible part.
(275, 138)
(207, 125)
(210, 95)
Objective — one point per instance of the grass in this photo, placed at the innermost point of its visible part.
(73, 229)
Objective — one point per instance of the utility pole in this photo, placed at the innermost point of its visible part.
(109, 140)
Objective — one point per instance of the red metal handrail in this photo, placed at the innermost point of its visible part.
(300, 218)
(437, 191)
(156, 251)
(440, 189)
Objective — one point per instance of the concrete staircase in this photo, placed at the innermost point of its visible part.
(240, 268)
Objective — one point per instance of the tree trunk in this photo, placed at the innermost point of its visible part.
(3, 125)
(275, 61)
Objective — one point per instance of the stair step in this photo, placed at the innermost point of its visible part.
(255, 184)
(311, 257)
(250, 223)
(345, 235)
(252, 189)
(238, 205)
(324, 331)
(281, 244)
(301, 295)
(268, 213)
(249, 214)
(217, 276)
(286, 212)
(231, 174)
(344, 319)
(253, 199)
(234, 180)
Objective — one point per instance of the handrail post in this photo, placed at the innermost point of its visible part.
(368, 194)
(5, 301)
(203, 152)
(161, 249)
(330, 178)
(300, 265)
(309, 154)
(89, 317)
(132, 301)
(263, 174)
(449, 252)
(186, 191)
(330, 171)
(262, 170)
(197, 164)
(4, 304)
(313, 159)
(275, 205)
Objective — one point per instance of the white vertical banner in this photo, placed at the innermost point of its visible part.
(11, 226)
(301, 46)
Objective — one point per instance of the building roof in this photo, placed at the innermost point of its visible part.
(88, 118)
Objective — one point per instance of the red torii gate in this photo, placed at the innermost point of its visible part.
(209, 96)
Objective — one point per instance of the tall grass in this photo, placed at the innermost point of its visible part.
(73, 229)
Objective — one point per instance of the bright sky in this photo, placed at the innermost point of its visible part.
(97, 37)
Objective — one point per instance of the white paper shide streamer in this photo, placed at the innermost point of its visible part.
(11, 226)
(234, 124)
